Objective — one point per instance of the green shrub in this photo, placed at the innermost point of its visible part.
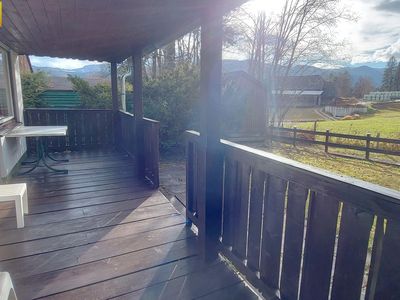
(171, 99)
(98, 96)
(33, 85)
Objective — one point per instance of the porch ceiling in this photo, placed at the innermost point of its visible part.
(104, 30)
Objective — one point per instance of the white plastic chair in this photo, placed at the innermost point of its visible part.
(17, 193)
(7, 291)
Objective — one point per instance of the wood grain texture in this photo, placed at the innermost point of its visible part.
(230, 195)
(319, 247)
(87, 128)
(294, 235)
(272, 231)
(101, 31)
(351, 254)
(255, 218)
(335, 253)
(388, 279)
(241, 211)
(105, 246)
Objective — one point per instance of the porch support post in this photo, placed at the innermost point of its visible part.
(114, 87)
(115, 104)
(210, 209)
(138, 111)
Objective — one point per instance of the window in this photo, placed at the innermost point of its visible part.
(6, 107)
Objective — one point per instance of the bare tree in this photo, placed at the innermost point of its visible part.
(363, 87)
(300, 36)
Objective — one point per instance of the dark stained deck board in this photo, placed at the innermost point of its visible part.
(189, 286)
(237, 291)
(96, 234)
(85, 205)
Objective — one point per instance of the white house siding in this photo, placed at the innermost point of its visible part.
(341, 111)
(12, 149)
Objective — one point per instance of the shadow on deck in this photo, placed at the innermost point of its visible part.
(100, 233)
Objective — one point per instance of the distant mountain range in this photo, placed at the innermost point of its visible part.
(101, 70)
(374, 74)
(88, 71)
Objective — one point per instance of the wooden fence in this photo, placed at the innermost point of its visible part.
(98, 128)
(127, 133)
(151, 150)
(151, 144)
(367, 144)
(87, 128)
(294, 230)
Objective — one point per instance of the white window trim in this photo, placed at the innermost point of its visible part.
(10, 94)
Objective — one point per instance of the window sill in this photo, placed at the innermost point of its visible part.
(7, 124)
(6, 120)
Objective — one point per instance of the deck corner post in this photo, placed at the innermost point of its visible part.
(115, 103)
(138, 112)
(210, 209)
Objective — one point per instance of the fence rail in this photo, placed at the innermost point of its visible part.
(295, 135)
(87, 128)
(292, 229)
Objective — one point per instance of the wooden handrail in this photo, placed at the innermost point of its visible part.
(151, 145)
(377, 197)
(270, 201)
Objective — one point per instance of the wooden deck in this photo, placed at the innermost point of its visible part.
(99, 233)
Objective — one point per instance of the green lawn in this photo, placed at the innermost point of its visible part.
(385, 122)
(297, 114)
(375, 172)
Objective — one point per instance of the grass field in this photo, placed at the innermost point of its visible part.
(375, 172)
(385, 122)
(297, 114)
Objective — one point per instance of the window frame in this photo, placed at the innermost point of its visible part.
(9, 87)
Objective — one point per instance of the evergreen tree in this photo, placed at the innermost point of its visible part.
(398, 77)
(389, 82)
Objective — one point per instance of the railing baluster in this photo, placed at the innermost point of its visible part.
(319, 247)
(351, 254)
(294, 234)
(321, 256)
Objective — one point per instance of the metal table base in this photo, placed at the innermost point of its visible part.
(41, 155)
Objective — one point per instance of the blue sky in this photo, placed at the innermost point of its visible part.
(371, 40)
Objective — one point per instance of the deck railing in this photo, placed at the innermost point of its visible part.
(99, 128)
(87, 128)
(127, 136)
(151, 144)
(297, 231)
(151, 149)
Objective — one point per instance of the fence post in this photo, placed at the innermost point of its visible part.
(326, 140)
(378, 135)
(270, 133)
(294, 136)
(368, 146)
(315, 126)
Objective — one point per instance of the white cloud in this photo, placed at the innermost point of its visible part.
(374, 37)
(63, 63)
(386, 53)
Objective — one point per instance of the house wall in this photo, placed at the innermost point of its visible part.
(12, 149)
(342, 111)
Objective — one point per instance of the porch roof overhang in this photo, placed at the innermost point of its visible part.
(103, 30)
